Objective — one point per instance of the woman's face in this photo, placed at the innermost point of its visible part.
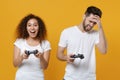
(32, 28)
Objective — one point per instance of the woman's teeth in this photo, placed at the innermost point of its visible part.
(32, 31)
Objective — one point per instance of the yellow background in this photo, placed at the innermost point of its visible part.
(57, 15)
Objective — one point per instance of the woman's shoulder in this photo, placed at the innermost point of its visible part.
(19, 40)
(46, 45)
(19, 43)
(45, 42)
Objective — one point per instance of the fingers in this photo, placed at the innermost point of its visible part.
(25, 56)
(39, 55)
(69, 59)
(97, 19)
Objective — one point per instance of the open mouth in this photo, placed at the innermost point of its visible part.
(32, 31)
(88, 27)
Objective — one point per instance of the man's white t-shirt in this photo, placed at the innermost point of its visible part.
(78, 42)
(30, 68)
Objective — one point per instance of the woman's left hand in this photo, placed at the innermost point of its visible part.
(39, 55)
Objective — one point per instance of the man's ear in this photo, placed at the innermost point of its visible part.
(84, 16)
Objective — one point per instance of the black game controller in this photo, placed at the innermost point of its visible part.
(31, 52)
(81, 56)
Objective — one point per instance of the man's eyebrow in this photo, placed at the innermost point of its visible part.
(94, 18)
(92, 21)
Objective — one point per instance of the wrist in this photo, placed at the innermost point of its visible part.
(21, 57)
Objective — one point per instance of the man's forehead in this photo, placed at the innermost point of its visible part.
(93, 16)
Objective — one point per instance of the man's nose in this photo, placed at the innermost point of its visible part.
(91, 24)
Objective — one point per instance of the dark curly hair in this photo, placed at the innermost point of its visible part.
(93, 10)
(22, 30)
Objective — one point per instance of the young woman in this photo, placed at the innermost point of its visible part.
(31, 38)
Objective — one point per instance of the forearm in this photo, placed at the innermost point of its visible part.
(62, 57)
(43, 63)
(17, 61)
(102, 41)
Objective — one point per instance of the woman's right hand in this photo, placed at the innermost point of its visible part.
(24, 56)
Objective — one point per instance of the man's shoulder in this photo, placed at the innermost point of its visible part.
(94, 31)
(70, 28)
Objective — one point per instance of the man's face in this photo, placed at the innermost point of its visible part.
(89, 22)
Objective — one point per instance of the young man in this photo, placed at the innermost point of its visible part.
(81, 39)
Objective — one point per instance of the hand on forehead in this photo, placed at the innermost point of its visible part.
(94, 18)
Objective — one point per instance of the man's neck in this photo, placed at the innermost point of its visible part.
(81, 27)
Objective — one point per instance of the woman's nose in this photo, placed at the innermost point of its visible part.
(32, 27)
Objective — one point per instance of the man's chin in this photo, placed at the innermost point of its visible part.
(86, 29)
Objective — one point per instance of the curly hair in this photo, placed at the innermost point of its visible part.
(22, 28)
(93, 10)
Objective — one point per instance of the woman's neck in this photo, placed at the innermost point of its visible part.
(32, 41)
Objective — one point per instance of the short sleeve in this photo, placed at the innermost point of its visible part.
(63, 39)
(17, 43)
(46, 45)
(97, 38)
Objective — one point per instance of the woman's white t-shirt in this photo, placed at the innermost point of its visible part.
(30, 68)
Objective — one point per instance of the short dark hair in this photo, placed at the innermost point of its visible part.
(93, 10)
(22, 31)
